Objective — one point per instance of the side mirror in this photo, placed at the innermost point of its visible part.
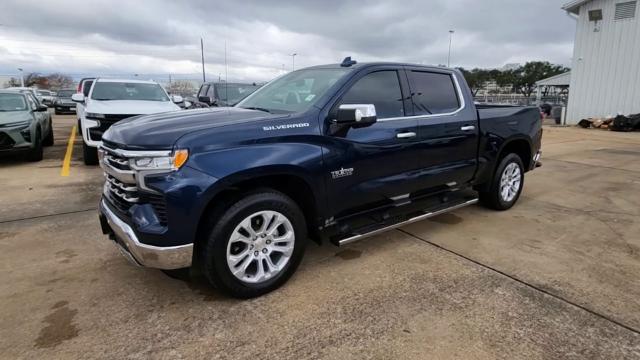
(207, 100)
(79, 97)
(356, 114)
(177, 98)
(42, 108)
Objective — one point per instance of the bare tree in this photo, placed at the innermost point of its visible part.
(181, 87)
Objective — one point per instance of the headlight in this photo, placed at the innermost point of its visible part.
(94, 115)
(172, 162)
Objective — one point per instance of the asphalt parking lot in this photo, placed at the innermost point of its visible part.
(554, 277)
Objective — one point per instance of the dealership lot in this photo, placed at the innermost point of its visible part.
(556, 276)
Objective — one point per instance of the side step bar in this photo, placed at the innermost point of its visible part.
(426, 215)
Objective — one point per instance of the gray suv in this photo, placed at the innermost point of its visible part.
(25, 124)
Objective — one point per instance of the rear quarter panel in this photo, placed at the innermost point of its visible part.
(501, 125)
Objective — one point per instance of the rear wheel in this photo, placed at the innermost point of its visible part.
(506, 185)
(256, 245)
(89, 154)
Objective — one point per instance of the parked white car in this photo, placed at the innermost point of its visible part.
(111, 100)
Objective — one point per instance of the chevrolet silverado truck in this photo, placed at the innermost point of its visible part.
(332, 153)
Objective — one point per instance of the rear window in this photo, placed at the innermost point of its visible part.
(65, 93)
(433, 93)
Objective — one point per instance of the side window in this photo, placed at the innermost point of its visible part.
(32, 102)
(210, 92)
(432, 93)
(203, 90)
(87, 87)
(382, 89)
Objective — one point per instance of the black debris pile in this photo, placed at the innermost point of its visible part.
(626, 123)
(619, 123)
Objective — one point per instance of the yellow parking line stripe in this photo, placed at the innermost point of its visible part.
(66, 163)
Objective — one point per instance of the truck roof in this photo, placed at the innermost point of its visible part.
(126, 81)
(367, 64)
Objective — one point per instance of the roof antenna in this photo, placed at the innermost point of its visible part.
(348, 62)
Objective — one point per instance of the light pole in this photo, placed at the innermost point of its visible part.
(21, 77)
(449, 56)
(293, 61)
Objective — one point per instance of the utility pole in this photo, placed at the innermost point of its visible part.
(449, 56)
(226, 73)
(293, 61)
(21, 77)
(204, 79)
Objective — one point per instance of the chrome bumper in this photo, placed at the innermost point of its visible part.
(167, 258)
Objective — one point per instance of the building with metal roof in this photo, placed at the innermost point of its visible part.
(605, 72)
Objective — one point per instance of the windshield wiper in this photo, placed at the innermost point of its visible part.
(257, 108)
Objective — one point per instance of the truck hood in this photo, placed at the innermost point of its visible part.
(133, 107)
(10, 117)
(161, 131)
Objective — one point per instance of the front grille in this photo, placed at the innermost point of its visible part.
(6, 142)
(121, 195)
(105, 123)
(124, 195)
(117, 161)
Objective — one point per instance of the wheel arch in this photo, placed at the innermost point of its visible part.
(294, 184)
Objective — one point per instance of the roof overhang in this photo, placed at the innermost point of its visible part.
(574, 6)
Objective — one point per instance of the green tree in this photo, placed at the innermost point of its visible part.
(525, 77)
(476, 78)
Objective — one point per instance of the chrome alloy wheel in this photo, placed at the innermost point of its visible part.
(510, 182)
(260, 246)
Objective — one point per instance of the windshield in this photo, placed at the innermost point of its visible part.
(127, 91)
(232, 93)
(294, 92)
(66, 93)
(12, 102)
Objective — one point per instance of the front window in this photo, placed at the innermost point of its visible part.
(12, 102)
(233, 93)
(294, 92)
(106, 90)
(65, 93)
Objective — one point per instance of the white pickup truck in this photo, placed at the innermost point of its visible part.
(111, 100)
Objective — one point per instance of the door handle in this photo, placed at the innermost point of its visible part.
(468, 128)
(405, 135)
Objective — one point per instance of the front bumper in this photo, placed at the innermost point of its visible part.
(170, 257)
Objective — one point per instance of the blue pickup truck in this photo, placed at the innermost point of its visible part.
(331, 153)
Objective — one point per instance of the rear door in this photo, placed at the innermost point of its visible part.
(373, 165)
(448, 128)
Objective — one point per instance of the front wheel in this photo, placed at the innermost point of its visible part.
(48, 140)
(506, 185)
(256, 245)
(37, 153)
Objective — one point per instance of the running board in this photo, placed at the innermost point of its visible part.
(426, 215)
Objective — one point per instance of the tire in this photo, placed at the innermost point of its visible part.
(36, 154)
(254, 210)
(89, 154)
(56, 112)
(48, 140)
(510, 171)
(79, 128)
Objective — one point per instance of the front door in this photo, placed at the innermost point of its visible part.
(373, 165)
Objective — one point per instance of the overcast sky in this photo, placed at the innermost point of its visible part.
(163, 36)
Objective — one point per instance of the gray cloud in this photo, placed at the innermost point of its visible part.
(162, 36)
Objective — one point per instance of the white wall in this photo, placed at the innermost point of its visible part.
(605, 75)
